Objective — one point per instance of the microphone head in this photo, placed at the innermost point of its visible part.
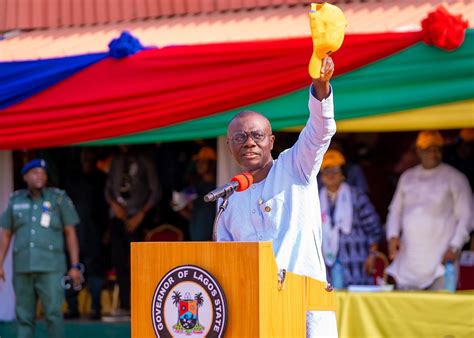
(245, 180)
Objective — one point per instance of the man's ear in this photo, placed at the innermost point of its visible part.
(418, 152)
(272, 140)
(228, 146)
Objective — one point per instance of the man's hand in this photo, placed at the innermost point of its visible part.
(75, 275)
(327, 69)
(321, 85)
(450, 255)
(133, 222)
(369, 265)
(2, 274)
(118, 211)
(393, 247)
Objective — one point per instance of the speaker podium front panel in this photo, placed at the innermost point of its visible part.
(208, 289)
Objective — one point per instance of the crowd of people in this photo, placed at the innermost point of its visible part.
(112, 200)
(429, 218)
(76, 236)
(313, 202)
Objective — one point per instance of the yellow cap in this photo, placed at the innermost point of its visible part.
(205, 153)
(333, 158)
(467, 134)
(429, 138)
(328, 24)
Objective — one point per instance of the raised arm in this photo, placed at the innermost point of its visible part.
(308, 151)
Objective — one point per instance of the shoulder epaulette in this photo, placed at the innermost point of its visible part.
(17, 193)
(59, 194)
(57, 191)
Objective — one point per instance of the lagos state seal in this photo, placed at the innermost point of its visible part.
(188, 301)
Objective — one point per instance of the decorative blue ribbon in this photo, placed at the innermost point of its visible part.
(21, 79)
(124, 46)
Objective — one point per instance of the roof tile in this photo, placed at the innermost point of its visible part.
(243, 25)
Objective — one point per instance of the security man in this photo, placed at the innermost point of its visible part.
(40, 218)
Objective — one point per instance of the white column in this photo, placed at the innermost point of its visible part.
(7, 296)
(226, 165)
(6, 177)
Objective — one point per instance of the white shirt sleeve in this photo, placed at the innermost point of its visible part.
(307, 153)
(462, 196)
(395, 211)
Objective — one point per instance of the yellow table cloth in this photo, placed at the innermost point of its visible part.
(405, 314)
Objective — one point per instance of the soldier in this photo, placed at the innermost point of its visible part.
(38, 217)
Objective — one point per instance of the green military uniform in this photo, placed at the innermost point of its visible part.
(39, 261)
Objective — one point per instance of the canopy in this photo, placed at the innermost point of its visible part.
(386, 81)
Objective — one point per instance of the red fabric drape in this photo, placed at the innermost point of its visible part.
(157, 88)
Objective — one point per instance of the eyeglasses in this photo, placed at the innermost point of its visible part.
(241, 137)
(332, 170)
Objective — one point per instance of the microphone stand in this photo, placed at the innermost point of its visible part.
(222, 208)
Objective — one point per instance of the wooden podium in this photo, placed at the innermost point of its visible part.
(247, 273)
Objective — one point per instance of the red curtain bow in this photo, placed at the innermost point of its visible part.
(443, 29)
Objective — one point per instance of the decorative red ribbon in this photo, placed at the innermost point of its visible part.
(443, 29)
(161, 87)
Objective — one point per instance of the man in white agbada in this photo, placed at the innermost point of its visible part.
(429, 218)
(282, 205)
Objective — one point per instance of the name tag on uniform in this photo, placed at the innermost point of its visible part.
(21, 206)
(45, 219)
(46, 215)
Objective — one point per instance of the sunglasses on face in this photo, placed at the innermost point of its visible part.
(241, 137)
(333, 170)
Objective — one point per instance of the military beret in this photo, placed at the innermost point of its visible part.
(36, 163)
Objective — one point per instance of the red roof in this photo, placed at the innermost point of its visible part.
(27, 14)
(214, 26)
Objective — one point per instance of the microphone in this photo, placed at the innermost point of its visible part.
(239, 182)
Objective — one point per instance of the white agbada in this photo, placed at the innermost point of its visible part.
(284, 208)
(431, 212)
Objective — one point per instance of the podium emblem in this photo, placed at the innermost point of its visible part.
(188, 301)
(188, 312)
